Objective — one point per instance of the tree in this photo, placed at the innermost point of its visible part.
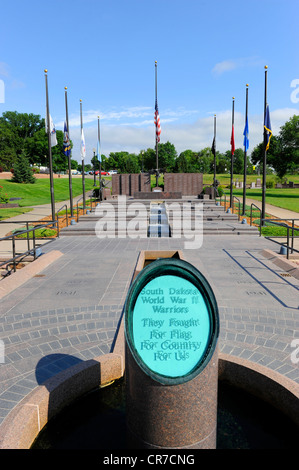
(205, 161)
(7, 149)
(186, 162)
(74, 164)
(22, 170)
(289, 139)
(283, 152)
(167, 155)
(37, 148)
(149, 159)
(22, 126)
(273, 160)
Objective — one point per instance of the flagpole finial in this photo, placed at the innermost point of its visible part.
(65, 87)
(247, 84)
(266, 66)
(80, 101)
(46, 70)
(233, 97)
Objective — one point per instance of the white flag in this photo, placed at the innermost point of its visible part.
(83, 148)
(52, 130)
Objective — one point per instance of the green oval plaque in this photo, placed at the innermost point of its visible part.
(171, 321)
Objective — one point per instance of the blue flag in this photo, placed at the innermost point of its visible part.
(267, 127)
(246, 133)
(66, 142)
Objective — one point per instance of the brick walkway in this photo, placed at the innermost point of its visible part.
(70, 311)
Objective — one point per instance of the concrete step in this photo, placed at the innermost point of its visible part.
(215, 213)
(208, 229)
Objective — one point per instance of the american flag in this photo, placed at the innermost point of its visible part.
(157, 122)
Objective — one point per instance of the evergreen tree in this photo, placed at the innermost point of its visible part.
(22, 170)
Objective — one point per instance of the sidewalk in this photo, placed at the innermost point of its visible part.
(279, 213)
(273, 210)
(69, 313)
(37, 214)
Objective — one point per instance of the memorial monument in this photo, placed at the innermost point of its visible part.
(171, 329)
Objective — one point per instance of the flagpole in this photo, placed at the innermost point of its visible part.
(100, 172)
(157, 156)
(232, 158)
(83, 169)
(263, 215)
(215, 155)
(50, 149)
(245, 154)
(69, 157)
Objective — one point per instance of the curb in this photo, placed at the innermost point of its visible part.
(18, 278)
(281, 262)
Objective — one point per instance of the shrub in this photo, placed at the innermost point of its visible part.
(220, 191)
(3, 197)
(270, 184)
(22, 171)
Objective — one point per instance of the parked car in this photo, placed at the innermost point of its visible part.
(102, 172)
(112, 172)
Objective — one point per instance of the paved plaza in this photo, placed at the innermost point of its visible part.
(70, 311)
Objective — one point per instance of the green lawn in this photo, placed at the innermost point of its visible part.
(39, 192)
(12, 212)
(225, 178)
(284, 198)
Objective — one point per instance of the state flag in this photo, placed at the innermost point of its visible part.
(267, 127)
(246, 136)
(52, 131)
(66, 142)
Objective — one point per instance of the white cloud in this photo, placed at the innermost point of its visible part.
(224, 66)
(195, 135)
(231, 64)
(4, 70)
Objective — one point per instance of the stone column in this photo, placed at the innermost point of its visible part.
(180, 416)
(171, 330)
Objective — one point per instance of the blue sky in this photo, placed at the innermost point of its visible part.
(104, 51)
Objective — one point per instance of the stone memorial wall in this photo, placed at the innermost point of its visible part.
(128, 184)
(189, 184)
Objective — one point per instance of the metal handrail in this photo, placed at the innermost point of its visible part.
(67, 222)
(13, 238)
(78, 208)
(235, 197)
(260, 226)
(91, 205)
(288, 247)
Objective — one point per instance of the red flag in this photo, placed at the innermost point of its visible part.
(232, 141)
